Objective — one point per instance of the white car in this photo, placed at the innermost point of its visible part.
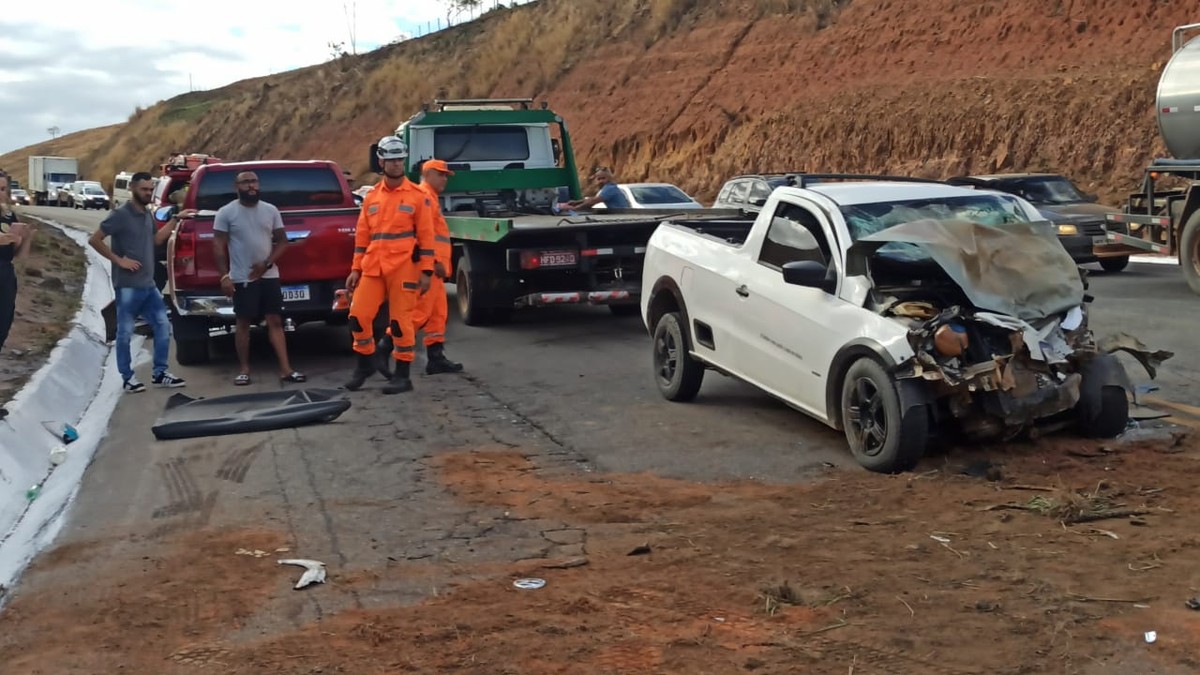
(88, 195)
(891, 310)
(655, 196)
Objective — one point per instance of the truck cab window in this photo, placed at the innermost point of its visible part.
(795, 234)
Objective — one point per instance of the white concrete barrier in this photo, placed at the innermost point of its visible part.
(78, 385)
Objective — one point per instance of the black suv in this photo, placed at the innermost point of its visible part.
(1078, 216)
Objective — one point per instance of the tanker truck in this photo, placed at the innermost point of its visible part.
(1163, 217)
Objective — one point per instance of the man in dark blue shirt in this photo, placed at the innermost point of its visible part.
(609, 193)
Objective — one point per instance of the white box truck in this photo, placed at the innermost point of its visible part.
(47, 174)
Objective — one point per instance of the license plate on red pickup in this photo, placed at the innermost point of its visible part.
(558, 259)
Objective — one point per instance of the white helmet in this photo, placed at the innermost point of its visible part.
(391, 147)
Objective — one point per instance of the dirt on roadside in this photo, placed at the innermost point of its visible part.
(1051, 557)
(50, 287)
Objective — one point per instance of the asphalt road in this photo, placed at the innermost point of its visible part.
(570, 387)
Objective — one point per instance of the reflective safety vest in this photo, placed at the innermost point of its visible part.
(395, 230)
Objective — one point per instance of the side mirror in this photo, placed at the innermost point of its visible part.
(164, 213)
(810, 274)
(1091, 197)
(758, 201)
(374, 159)
(556, 148)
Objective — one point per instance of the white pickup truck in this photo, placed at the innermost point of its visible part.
(893, 310)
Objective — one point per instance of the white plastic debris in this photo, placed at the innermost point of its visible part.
(943, 540)
(529, 584)
(1151, 636)
(1073, 319)
(58, 455)
(314, 571)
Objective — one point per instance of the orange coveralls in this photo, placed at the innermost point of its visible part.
(432, 310)
(393, 244)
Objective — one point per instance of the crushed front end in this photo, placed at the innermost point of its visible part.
(997, 375)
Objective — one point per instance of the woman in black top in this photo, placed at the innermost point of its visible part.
(15, 238)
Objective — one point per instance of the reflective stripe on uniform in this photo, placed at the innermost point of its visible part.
(443, 240)
(426, 252)
(408, 285)
(360, 249)
(429, 336)
(404, 350)
(362, 343)
(392, 235)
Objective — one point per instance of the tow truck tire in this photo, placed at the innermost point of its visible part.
(880, 435)
(1114, 265)
(676, 373)
(1189, 252)
(469, 306)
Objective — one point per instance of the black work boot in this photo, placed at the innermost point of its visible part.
(399, 382)
(363, 370)
(383, 354)
(438, 363)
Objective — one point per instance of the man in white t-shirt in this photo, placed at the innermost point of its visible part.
(252, 232)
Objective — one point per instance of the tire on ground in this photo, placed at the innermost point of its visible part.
(677, 375)
(1114, 265)
(1189, 251)
(882, 436)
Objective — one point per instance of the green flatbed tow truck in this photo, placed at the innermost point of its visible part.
(513, 248)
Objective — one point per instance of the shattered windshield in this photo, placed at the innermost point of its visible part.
(985, 209)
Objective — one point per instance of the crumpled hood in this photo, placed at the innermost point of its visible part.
(1018, 269)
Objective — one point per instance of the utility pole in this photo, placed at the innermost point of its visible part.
(350, 9)
(53, 132)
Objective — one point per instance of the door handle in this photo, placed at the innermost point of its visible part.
(743, 291)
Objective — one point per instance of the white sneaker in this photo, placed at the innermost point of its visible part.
(133, 386)
(166, 379)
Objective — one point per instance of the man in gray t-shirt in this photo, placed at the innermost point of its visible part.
(248, 237)
(133, 234)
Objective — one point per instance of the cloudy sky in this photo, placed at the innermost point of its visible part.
(77, 65)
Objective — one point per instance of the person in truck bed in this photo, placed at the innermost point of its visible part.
(609, 193)
(252, 232)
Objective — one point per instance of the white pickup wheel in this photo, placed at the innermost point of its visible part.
(676, 373)
(876, 429)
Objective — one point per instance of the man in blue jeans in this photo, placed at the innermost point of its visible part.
(131, 228)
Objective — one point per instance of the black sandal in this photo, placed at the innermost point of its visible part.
(294, 376)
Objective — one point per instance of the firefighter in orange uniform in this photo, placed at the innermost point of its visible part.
(431, 312)
(393, 262)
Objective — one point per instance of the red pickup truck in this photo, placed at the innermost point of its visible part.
(319, 215)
